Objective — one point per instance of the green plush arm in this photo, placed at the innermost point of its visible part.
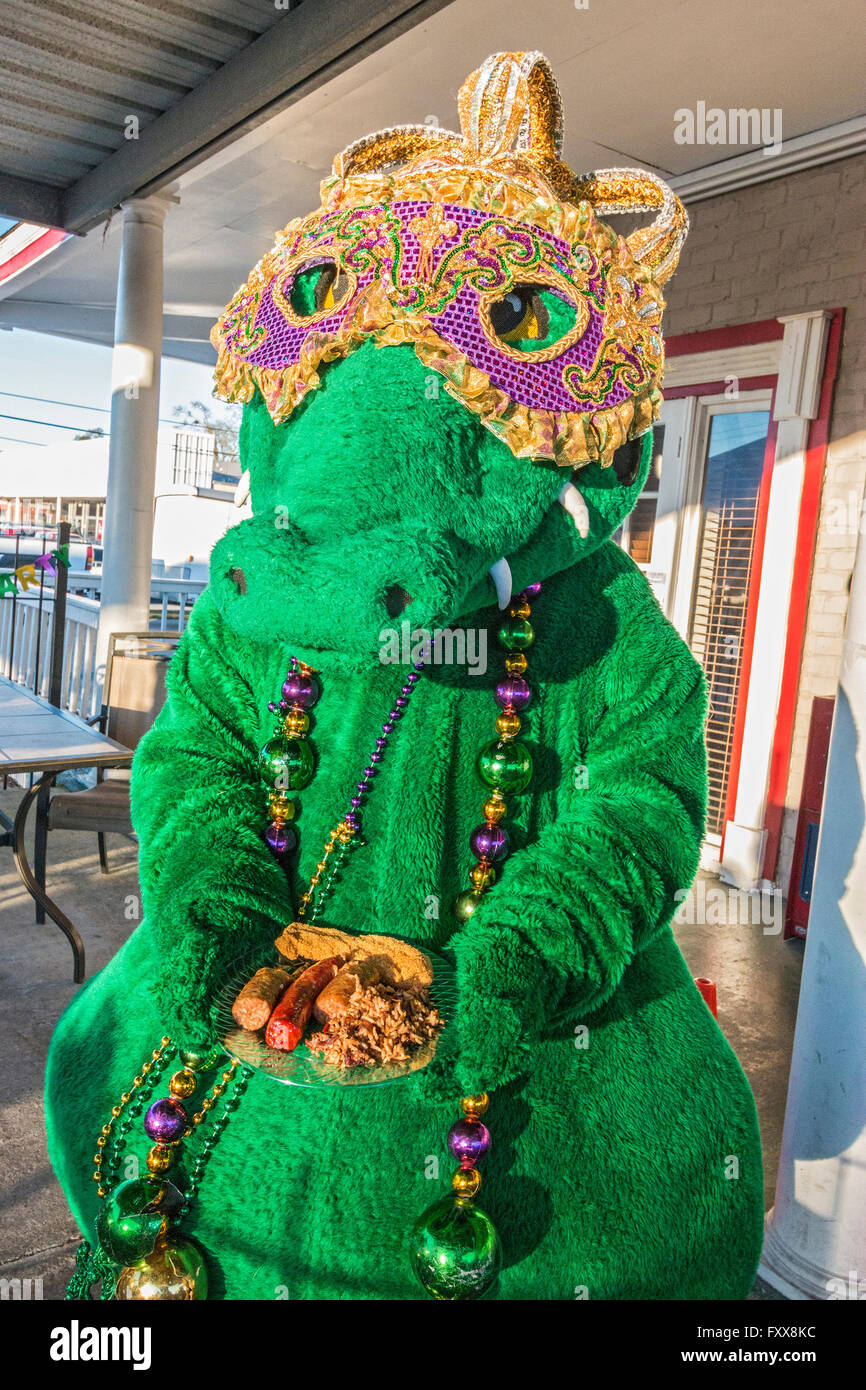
(210, 886)
(555, 935)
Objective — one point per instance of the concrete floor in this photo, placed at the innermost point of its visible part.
(757, 977)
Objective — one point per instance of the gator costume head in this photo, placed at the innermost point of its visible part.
(450, 344)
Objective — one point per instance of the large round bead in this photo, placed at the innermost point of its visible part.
(513, 693)
(489, 842)
(516, 634)
(175, 1271)
(288, 762)
(134, 1215)
(455, 1250)
(166, 1120)
(468, 1141)
(505, 765)
(301, 689)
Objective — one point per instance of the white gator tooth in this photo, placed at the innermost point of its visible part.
(242, 491)
(572, 500)
(500, 573)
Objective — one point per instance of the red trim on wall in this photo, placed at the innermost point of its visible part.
(718, 388)
(807, 531)
(715, 339)
(763, 511)
(34, 252)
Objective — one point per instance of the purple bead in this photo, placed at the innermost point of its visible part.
(387, 727)
(166, 1121)
(468, 1141)
(489, 842)
(356, 801)
(375, 757)
(369, 772)
(531, 591)
(513, 692)
(401, 702)
(300, 689)
(281, 838)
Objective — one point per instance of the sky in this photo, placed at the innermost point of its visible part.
(37, 370)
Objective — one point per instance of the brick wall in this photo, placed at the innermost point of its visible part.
(778, 248)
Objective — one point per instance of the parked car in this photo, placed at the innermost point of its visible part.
(33, 541)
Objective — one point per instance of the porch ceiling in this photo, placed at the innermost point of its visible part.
(624, 68)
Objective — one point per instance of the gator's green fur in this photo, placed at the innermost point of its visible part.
(625, 1157)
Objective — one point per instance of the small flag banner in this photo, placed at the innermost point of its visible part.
(25, 575)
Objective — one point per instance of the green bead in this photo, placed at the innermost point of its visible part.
(455, 1250)
(506, 766)
(288, 762)
(201, 1061)
(466, 905)
(134, 1215)
(516, 634)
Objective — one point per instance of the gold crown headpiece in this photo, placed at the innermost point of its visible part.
(433, 237)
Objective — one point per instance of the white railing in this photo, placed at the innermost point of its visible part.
(25, 636)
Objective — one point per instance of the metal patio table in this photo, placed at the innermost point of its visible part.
(36, 737)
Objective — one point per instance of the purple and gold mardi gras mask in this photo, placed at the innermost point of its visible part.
(484, 251)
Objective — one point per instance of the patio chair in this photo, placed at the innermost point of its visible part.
(134, 693)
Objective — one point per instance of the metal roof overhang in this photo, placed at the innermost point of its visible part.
(141, 56)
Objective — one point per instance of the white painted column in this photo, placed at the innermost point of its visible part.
(798, 393)
(815, 1244)
(125, 601)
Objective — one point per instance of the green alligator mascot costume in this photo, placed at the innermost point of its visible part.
(427, 694)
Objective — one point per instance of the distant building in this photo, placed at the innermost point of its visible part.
(193, 502)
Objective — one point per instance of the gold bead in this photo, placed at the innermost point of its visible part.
(136, 1082)
(281, 807)
(182, 1083)
(219, 1091)
(106, 1130)
(519, 609)
(516, 663)
(345, 832)
(229, 1072)
(296, 723)
(159, 1159)
(495, 808)
(115, 1110)
(207, 1103)
(97, 1177)
(156, 1054)
(466, 1182)
(101, 1142)
(164, 1042)
(97, 1159)
(482, 876)
(507, 724)
(148, 1066)
(321, 866)
(100, 1192)
(475, 1105)
(125, 1098)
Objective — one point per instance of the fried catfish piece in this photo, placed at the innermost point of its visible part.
(400, 963)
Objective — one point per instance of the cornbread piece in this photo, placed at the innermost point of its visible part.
(400, 963)
(255, 1003)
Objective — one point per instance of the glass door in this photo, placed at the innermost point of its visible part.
(692, 532)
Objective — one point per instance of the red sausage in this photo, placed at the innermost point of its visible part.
(289, 1019)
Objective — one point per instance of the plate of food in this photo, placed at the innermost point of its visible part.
(328, 1008)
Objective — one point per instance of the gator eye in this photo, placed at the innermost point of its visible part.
(530, 318)
(318, 288)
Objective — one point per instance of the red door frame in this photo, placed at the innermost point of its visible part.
(710, 340)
